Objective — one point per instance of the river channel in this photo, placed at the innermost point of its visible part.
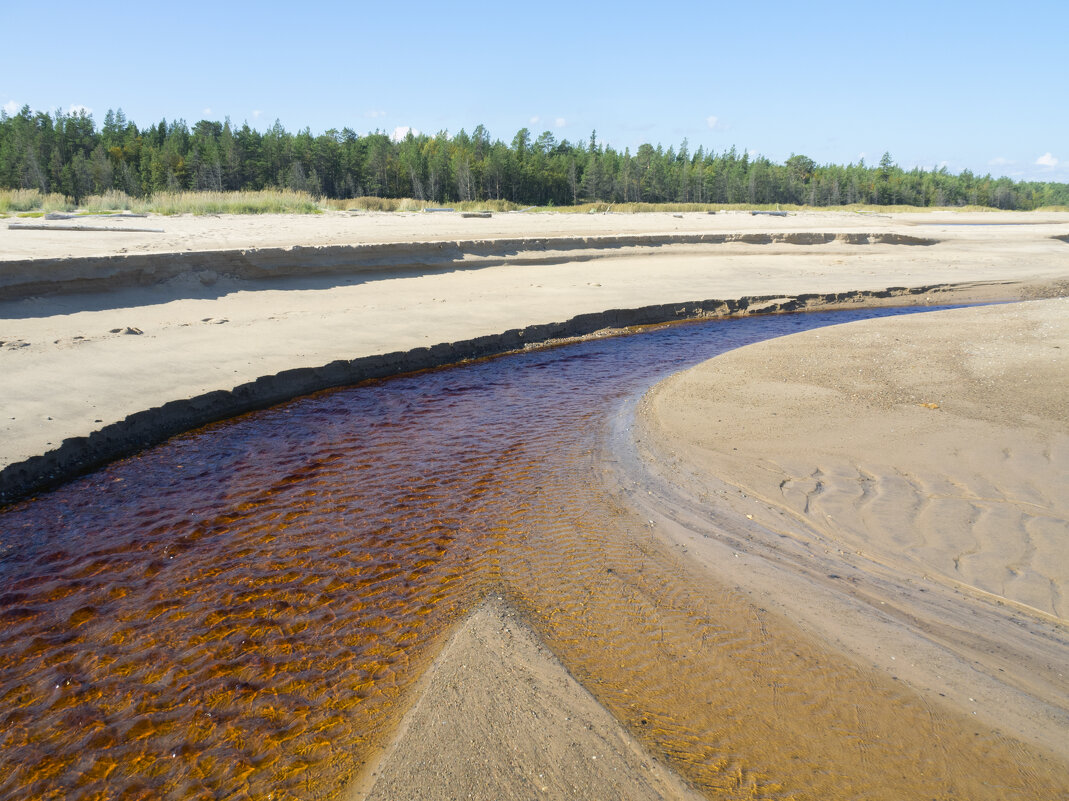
(239, 611)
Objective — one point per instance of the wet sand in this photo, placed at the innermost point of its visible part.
(498, 717)
(907, 478)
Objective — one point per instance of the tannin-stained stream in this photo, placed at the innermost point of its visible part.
(239, 612)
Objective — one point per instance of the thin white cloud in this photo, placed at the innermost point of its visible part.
(999, 161)
(1047, 160)
(561, 122)
(752, 153)
(256, 113)
(712, 121)
(375, 113)
(12, 108)
(206, 111)
(401, 131)
(77, 108)
(534, 120)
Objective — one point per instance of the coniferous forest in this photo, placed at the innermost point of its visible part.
(67, 153)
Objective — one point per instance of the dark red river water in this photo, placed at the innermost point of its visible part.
(238, 612)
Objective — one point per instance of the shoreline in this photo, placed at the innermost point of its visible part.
(907, 489)
(148, 427)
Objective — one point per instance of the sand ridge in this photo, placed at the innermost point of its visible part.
(28, 278)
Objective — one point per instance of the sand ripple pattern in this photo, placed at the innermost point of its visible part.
(889, 512)
(238, 613)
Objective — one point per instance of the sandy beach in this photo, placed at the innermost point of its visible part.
(893, 491)
(907, 477)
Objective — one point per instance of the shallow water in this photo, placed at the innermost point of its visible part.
(239, 611)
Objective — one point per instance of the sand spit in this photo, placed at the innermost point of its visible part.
(498, 717)
(897, 487)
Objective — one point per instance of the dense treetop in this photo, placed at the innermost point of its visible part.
(68, 154)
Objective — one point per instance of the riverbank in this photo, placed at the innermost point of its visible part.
(906, 477)
(77, 362)
(189, 234)
(128, 322)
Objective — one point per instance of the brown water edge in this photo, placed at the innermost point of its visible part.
(240, 612)
(739, 700)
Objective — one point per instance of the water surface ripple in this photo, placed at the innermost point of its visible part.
(238, 612)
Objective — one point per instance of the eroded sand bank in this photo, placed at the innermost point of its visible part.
(898, 487)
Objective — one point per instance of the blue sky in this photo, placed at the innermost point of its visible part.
(972, 85)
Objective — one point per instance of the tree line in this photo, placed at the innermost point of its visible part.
(66, 153)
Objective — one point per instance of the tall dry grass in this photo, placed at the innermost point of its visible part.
(112, 200)
(370, 204)
(281, 201)
(16, 200)
(284, 201)
(411, 204)
(266, 202)
(865, 208)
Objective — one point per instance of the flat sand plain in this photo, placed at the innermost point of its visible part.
(958, 612)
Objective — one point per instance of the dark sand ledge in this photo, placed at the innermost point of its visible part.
(77, 455)
(27, 278)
